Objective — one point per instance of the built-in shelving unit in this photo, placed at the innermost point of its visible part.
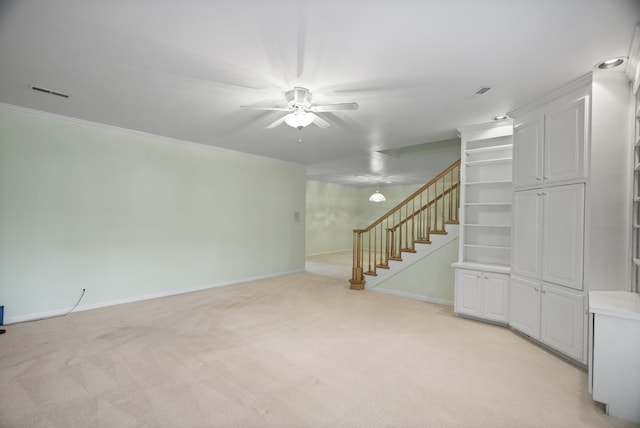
(636, 199)
(482, 270)
(486, 206)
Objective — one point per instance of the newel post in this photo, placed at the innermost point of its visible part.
(357, 275)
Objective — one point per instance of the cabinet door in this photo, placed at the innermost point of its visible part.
(527, 233)
(564, 143)
(468, 297)
(525, 306)
(563, 234)
(562, 321)
(496, 297)
(527, 152)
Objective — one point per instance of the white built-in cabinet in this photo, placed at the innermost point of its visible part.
(549, 168)
(551, 145)
(549, 313)
(566, 234)
(562, 320)
(548, 234)
(524, 306)
(482, 272)
(556, 225)
(482, 294)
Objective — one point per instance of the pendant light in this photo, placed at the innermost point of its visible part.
(377, 197)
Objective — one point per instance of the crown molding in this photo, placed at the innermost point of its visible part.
(633, 63)
(575, 85)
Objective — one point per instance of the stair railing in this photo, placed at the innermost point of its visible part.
(411, 222)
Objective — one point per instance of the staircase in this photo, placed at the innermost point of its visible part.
(411, 223)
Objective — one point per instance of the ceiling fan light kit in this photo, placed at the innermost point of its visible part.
(298, 119)
(302, 112)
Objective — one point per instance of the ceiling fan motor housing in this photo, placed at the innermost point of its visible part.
(299, 98)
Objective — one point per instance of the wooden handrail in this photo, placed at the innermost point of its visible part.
(435, 200)
(451, 167)
(425, 211)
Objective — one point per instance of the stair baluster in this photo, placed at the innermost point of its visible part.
(435, 208)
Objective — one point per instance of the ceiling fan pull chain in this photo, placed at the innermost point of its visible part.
(300, 135)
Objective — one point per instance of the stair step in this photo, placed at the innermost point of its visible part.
(452, 222)
(396, 259)
(371, 273)
(408, 250)
(438, 232)
(381, 266)
(422, 241)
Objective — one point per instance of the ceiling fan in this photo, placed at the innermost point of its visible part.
(302, 112)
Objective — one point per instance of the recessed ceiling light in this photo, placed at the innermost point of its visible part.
(610, 63)
(503, 117)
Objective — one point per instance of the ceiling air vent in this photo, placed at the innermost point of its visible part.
(483, 90)
(49, 91)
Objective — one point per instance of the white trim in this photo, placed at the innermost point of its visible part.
(329, 252)
(114, 128)
(486, 131)
(413, 296)
(59, 312)
(633, 62)
(567, 89)
(482, 267)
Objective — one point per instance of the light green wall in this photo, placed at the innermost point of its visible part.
(127, 215)
(431, 278)
(333, 211)
(332, 214)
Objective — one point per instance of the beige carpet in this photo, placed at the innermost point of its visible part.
(295, 351)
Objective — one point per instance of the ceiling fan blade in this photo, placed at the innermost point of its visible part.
(267, 108)
(383, 85)
(320, 121)
(345, 122)
(302, 37)
(334, 107)
(277, 122)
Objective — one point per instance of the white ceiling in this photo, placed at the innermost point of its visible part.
(182, 69)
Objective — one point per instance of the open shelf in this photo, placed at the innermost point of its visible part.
(489, 247)
(488, 162)
(487, 254)
(485, 204)
(479, 183)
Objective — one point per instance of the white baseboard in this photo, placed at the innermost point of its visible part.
(413, 296)
(329, 252)
(61, 312)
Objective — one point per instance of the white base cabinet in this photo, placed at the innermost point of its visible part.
(550, 314)
(482, 294)
(562, 321)
(615, 341)
(525, 306)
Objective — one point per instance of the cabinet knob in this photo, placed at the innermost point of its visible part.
(539, 178)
